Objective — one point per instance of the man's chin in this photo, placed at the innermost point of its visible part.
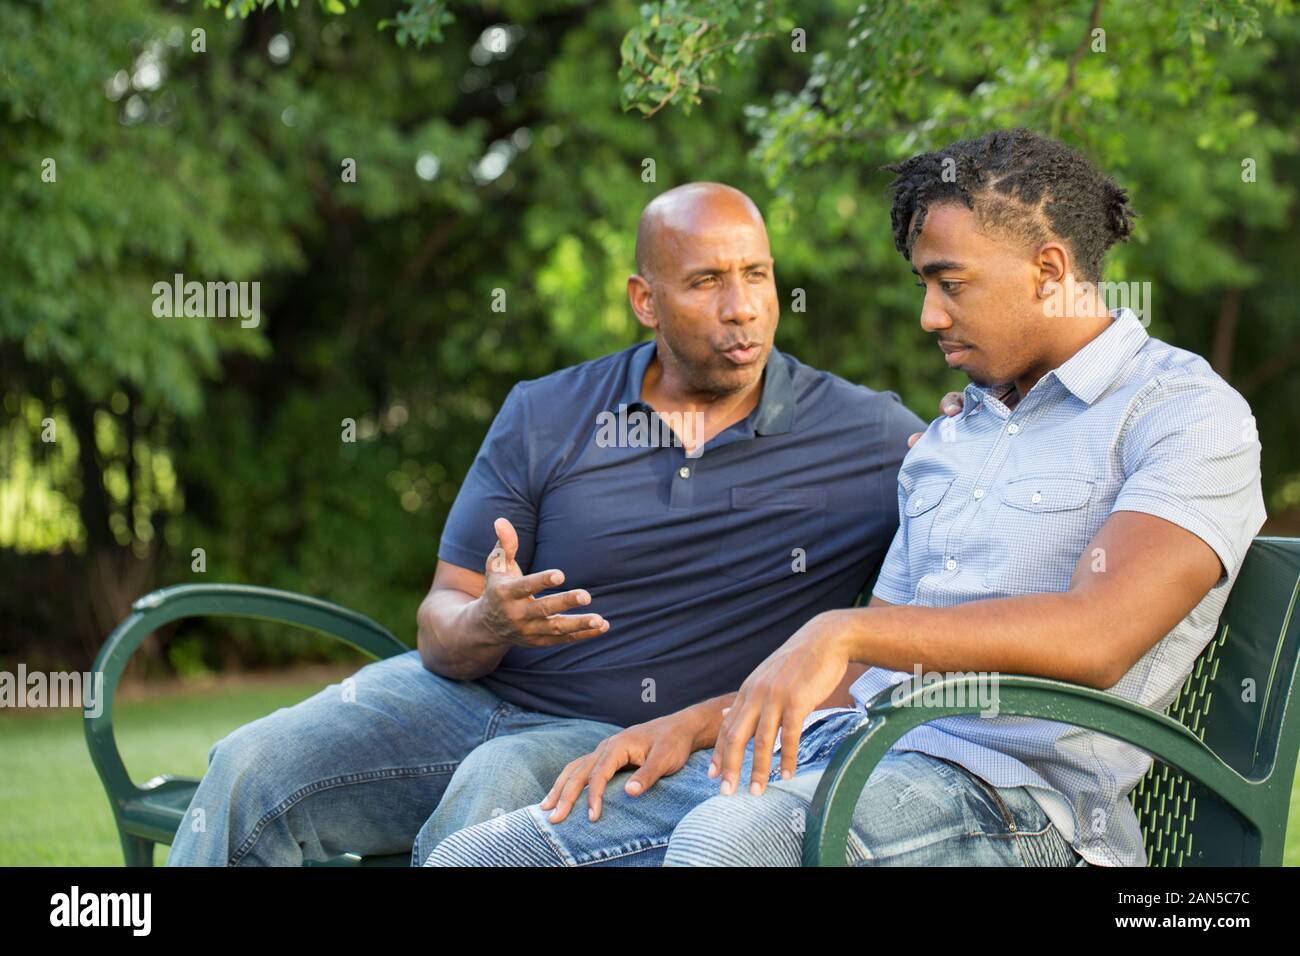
(727, 379)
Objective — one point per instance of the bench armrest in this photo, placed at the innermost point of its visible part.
(826, 837)
(210, 600)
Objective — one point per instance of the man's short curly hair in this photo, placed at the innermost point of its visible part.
(1025, 186)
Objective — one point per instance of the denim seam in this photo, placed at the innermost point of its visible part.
(621, 854)
(395, 773)
(1041, 837)
(1017, 839)
(550, 841)
(498, 715)
(569, 859)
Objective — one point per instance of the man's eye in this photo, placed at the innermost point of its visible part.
(920, 284)
(949, 287)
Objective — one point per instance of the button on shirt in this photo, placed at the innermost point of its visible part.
(1004, 502)
(703, 564)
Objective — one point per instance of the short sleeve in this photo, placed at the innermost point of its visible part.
(1191, 455)
(498, 485)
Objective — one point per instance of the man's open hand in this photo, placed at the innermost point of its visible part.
(951, 404)
(510, 611)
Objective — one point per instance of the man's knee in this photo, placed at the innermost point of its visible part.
(507, 840)
(741, 830)
(518, 768)
(495, 778)
(249, 756)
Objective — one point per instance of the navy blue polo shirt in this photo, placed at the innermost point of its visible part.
(701, 565)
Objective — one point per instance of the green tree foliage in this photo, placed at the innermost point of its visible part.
(1189, 105)
(494, 157)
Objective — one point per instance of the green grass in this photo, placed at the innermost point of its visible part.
(53, 811)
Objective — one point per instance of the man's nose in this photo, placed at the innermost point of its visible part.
(738, 302)
(933, 316)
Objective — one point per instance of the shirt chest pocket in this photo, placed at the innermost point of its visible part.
(1041, 527)
(771, 531)
(920, 512)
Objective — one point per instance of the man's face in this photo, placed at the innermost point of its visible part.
(714, 291)
(980, 297)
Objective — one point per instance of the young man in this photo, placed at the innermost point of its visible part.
(690, 555)
(1083, 519)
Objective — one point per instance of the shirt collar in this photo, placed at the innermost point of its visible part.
(775, 412)
(641, 356)
(1091, 370)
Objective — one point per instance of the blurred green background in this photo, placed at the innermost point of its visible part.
(511, 146)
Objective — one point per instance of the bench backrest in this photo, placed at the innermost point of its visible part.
(1239, 701)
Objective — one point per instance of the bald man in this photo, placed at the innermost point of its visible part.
(636, 534)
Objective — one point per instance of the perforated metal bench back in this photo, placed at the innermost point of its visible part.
(1234, 700)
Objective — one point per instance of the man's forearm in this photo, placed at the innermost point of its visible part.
(453, 640)
(1047, 635)
(1154, 575)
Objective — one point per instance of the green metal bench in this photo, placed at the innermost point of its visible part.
(1245, 753)
(1219, 787)
(153, 811)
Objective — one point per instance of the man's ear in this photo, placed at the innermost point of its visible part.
(1053, 266)
(641, 298)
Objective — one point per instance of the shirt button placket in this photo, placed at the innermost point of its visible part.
(682, 490)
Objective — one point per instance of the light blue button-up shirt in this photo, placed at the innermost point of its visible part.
(1000, 501)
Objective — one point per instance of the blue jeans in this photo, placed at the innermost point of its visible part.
(392, 759)
(916, 810)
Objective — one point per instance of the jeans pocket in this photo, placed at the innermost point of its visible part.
(1020, 813)
(1036, 839)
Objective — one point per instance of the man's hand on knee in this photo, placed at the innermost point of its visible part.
(657, 748)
